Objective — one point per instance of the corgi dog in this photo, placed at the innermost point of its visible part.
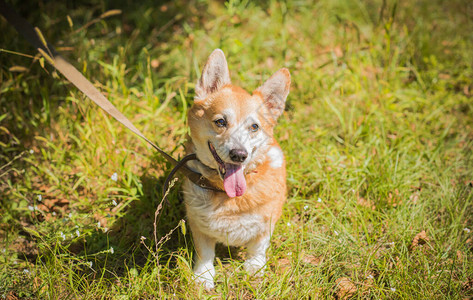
(231, 132)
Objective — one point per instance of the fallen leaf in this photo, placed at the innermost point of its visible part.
(345, 288)
(283, 265)
(311, 259)
(420, 239)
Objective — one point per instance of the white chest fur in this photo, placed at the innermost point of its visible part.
(218, 221)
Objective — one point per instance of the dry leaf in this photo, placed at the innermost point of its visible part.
(311, 259)
(345, 288)
(420, 239)
(283, 265)
(459, 256)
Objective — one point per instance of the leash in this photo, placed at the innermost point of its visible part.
(37, 40)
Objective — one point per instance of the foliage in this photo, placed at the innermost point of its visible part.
(377, 135)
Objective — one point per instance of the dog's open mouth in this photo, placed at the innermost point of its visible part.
(233, 177)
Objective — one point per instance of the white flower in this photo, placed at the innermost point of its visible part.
(26, 271)
(105, 229)
(319, 200)
(98, 224)
(40, 198)
(289, 253)
(370, 276)
(306, 207)
(31, 151)
(111, 250)
(467, 230)
(4, 250)
(77, 233)
(70, 215)
(114, 176)
(31, 208)
(54, 213)
(61, 234)
(288, 224)
(114, 202)
(336, 233)
(89, 263)
(393, 289)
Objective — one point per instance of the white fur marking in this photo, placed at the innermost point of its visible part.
(276, 156)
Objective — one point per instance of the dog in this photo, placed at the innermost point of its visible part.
(231, 132)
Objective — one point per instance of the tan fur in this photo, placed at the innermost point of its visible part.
(247, 220)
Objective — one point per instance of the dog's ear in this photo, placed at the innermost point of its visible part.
(214, 75)
(274, 92)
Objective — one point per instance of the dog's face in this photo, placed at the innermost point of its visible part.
(228, 126)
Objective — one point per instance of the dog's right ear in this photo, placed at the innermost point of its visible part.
(214, 75)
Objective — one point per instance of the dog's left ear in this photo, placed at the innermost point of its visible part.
(214, 75)
(274, 92)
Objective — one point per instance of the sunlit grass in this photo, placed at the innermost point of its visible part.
(377, 136)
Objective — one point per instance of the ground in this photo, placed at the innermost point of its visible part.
(377, 134)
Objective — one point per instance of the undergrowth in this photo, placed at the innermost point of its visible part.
(377, 135)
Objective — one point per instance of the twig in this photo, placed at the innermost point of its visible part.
(158, 209)
(10, 162)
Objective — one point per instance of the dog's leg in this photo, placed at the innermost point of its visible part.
(256, 262)
(204, 270)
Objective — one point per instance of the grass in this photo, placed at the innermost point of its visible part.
(377, 134)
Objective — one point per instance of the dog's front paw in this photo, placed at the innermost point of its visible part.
(255, 265)
(206, 281)
(205, 277)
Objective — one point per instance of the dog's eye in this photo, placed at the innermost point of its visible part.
(220, 123)
(254, 127)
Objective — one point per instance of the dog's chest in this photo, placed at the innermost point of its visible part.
(221, 221)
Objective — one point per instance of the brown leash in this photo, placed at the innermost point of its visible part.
(35, 38)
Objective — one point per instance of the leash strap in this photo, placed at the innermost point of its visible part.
(35, 38)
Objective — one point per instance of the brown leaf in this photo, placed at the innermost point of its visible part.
(345, 288)
(420, 239)
(283, 264)
(366, 203)
(11, 296)
(311, 259)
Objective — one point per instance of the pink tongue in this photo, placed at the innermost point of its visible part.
(234, 181)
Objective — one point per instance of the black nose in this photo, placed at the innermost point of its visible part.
(238, 155)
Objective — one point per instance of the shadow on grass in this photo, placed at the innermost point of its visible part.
(36, 99)
(125, 236)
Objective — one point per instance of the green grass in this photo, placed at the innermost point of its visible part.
(377, 134)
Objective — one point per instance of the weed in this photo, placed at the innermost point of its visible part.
(377, 135)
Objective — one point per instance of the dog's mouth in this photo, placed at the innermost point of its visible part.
(232, 175)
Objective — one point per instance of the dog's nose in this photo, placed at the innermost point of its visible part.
(238, 155)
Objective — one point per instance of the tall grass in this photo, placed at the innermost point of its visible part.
(377, 135)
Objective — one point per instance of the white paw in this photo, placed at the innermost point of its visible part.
(207, 283)
(205, 279)
(255, 266)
